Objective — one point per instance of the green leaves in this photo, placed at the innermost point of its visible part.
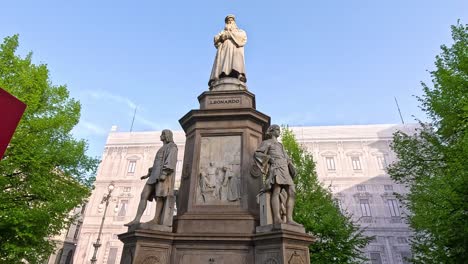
(339, 240)
(44, 173)
(433, 161)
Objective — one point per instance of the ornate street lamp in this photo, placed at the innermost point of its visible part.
(106, 199)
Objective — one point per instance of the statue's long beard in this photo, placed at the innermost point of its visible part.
(230, 26)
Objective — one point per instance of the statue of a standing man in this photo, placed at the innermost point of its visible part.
(272, 160)
(229, 61)
(160, 182)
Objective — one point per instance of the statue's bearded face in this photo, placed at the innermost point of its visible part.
(230, 24)
(163, 136)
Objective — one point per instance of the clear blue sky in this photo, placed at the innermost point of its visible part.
(308, 62)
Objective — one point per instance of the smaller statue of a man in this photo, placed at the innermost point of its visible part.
(273, 161)
(160, 181)
(229, 61)
(208, 182)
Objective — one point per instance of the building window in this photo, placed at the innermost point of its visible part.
(402, 240)
(59, 256)
(388, 187)
(405, 257)
(83, 208)
(69, 258)
(112, 255)
(123, 208)
(361, 188)
(77, 231)
(131, 166)
(393, 206)
(382, 162)
(375, 258)
(365, 207)
(127, 189)
(339, 203)
(356, 163)
(330, 163)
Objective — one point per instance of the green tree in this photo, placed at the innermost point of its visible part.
(339, 239)
(433, 162)
(44, 173)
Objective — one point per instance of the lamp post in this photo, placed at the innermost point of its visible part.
(105, 199)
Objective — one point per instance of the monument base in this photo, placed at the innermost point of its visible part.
(278, 246)
(146, 247)
(275, 227)
(282, 247)
(228, 84)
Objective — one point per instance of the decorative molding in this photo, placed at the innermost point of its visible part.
(362, 195)
(151, 260)
(354, 153)
(134, 157)
(328, 153)
(271, 260)
(379, 153)
(296, 259)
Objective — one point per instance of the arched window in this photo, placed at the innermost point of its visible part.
(69, 259)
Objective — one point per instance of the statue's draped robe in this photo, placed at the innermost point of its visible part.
(232, 186)
(230, 54)
(165, 161)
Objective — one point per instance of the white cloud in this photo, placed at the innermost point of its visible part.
(100, 94)
(108, 97)
(92, 128)
(147, 122)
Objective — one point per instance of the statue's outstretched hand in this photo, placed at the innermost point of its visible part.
(148, 174)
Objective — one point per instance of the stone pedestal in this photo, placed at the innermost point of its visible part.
(282, 247)
(146, 247)
(228, 84)
(218, 216)
(224, 133)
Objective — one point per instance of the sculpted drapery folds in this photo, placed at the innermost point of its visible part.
(229, 61)
(160, 179)
(273, 162)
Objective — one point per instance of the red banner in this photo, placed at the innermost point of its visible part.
(11, 111)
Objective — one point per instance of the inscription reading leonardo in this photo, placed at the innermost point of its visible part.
(234, 100)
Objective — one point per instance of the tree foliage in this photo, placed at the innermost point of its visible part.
(44, 173)
(433, 162)
(339, 239)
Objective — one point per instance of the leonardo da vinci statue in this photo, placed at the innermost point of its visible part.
(229, 61)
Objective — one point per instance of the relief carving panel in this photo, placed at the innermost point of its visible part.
(220, 166)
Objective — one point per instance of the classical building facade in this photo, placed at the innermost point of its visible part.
(65, 243)
(350, 159)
